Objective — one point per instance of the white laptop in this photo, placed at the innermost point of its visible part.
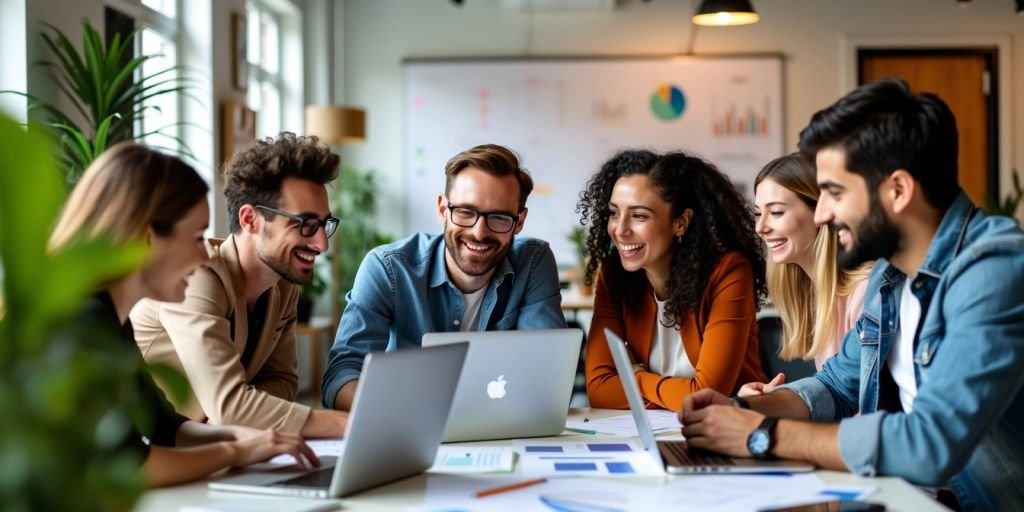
(675, 455)
(394, 429)
(514, 384)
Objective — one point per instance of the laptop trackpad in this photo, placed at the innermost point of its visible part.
(267, 474)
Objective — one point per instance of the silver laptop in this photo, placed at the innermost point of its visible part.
(514, 384)
(675, 455)
(394, 429)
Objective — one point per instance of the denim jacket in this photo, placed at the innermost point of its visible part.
(966, 428)
(402, 291)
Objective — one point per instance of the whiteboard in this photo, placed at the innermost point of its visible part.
(565, 117)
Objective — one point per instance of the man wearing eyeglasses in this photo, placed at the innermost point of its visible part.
(476, 276)
(233, 335)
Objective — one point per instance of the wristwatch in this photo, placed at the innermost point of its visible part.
(740, 402)
(762, 439)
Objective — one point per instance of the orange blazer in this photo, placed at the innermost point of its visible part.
(720, 339)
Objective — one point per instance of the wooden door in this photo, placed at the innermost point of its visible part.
(965, 80)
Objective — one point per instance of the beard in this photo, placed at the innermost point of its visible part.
(877, 237)
(475, 266)
(281, 263)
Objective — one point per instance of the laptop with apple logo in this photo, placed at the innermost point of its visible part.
(514, 384)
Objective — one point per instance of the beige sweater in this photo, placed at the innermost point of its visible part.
(195, 336)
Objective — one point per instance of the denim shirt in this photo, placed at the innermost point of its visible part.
(966, 428)
(402, 291)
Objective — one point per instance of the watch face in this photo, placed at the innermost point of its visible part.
(758, 442)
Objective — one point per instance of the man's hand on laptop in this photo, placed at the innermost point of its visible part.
(711, 421)
(269, 444)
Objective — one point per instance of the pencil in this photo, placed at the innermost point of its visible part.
(581, 431)
(510, 487)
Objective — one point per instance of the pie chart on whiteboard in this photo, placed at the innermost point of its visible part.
(668, 102)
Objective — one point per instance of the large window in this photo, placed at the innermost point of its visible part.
(266, 85)
(158, 38)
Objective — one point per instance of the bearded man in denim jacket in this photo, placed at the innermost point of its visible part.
(935, 364)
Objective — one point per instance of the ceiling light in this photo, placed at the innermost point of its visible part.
(728, 12)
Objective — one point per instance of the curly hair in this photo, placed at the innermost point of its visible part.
(722, 222)
(254, 175)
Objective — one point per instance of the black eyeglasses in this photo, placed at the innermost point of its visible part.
(496, 222)
(307, 225)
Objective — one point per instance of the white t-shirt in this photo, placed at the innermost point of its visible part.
(471, 315)
(667, 355)
(901, 356)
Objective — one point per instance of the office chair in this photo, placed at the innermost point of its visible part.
(769, 339)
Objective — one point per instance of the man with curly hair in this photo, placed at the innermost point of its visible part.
(234, 334)
(476, 276)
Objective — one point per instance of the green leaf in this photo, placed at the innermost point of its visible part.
(172, 381)
(100, 144)
(98, 82)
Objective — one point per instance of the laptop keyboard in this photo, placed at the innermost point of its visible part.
(319, 479)
(694, 456)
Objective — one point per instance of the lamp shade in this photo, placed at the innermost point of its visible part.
(725, 12)
(337, 124)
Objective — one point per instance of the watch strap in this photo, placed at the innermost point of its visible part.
(740, 402)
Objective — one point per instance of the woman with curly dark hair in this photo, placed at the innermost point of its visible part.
(681, 278)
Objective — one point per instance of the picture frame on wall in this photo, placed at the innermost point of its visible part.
(238, 124)
(239, 51)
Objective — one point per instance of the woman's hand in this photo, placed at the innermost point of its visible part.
(762, 388)
(269, 444)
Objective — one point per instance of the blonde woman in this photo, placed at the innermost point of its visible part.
(816, 299)
(135, 194)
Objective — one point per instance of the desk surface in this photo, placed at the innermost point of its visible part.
(573, 299)
(897, 494)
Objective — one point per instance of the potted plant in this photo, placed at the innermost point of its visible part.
(354, 199)
(67, 393)
(308, 295)
(106, 89)
(578, 237)
(1010, 203)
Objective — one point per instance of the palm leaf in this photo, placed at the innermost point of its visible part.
(97, 82)
(100, 144)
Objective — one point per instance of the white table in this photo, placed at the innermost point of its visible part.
(897, 494)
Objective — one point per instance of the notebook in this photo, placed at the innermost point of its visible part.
(394, 429)
(675, 455)
(514, 384)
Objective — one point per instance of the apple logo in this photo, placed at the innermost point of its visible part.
(496, 388)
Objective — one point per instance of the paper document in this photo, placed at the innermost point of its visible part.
(263, 504)
(706, 493)
(598, 458)
(662, 421)
(473, 459)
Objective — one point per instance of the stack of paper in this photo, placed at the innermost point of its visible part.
(700, 493)
(662, 421)
(569, 458)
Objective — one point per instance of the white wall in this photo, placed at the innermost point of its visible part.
(66, 15)
(378, 34)
(14, 67)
